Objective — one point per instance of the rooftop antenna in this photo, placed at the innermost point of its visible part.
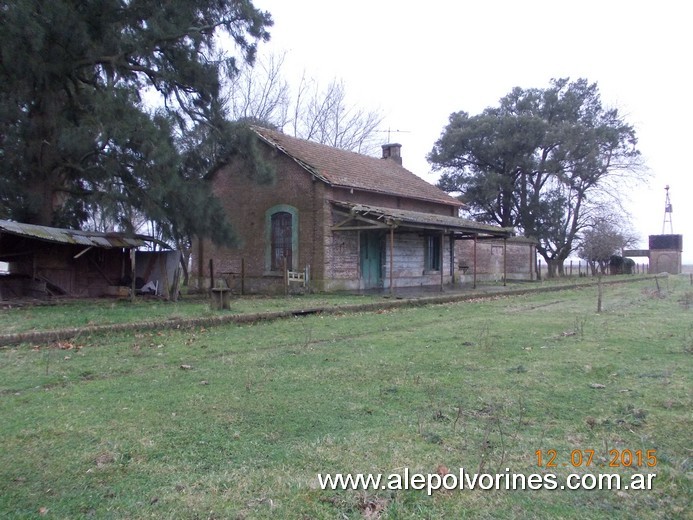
(392, 131)
(667, 213)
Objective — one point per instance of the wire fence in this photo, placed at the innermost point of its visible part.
(579, 269)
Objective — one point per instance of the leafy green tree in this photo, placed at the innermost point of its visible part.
(485, 157)
(543, 161)
(112, 106)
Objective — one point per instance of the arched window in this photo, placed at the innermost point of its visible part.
(281, 238)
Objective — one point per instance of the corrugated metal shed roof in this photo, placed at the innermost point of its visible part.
(407, 218)
(72, 236)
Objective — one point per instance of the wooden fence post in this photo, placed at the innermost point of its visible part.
(242, 276)
(286, 276)
(211, 275)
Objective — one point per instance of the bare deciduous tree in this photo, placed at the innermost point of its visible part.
(323, 115)
(260, 93)
(605, 236)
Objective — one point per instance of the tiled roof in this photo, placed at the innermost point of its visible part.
(346, 169)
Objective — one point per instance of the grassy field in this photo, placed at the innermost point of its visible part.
(237, 421)
(75, 313)
(53, 315)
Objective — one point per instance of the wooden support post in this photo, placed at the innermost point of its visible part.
(200, 264)
(442, 258)
(505, 261)
(132, 267)
(475, 241)
(211, 275)
(242, 276)
(392, 259)
(453, 277)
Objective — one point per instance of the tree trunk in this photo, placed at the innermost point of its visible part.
(44, 159)
(42, 194)
(184, 259)
(555, 266)
(551, 268)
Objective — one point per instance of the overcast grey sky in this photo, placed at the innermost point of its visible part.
(418, 62)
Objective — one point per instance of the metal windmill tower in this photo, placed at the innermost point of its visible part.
(667, 213)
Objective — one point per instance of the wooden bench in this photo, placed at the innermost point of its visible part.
(302, 277)
(296, 277)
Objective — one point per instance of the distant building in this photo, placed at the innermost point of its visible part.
(665, 253)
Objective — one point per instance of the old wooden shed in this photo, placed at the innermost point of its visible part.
(46, 261)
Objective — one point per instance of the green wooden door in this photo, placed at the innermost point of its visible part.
(371, 259)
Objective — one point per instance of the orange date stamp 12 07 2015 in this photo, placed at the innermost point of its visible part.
(585, 458)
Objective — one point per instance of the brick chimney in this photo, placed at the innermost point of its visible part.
(393, 151)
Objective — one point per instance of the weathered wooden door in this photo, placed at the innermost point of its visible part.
(371, 259)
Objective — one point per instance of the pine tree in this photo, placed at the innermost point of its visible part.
(99, 98)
